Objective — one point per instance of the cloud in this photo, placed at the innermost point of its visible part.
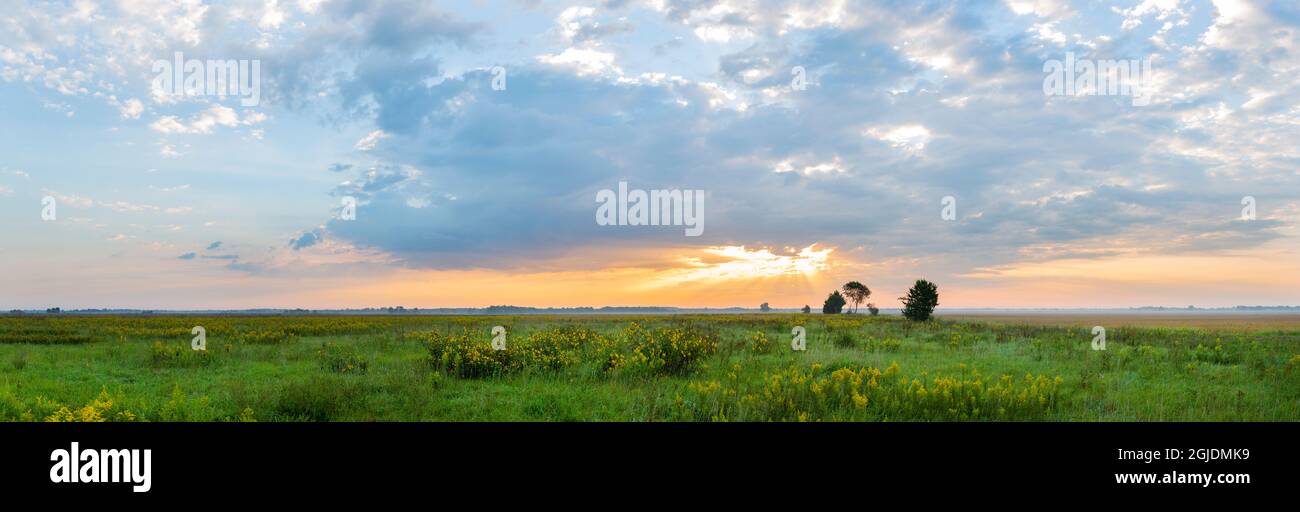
(205, 121)
(371, 139)
(214, 245)
(305, 240)
(187, 256)
(912, 137)
(906, 103)
(583, 61)
(132, 108)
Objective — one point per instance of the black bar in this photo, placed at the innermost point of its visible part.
(396, 459)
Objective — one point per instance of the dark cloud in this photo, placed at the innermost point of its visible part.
(305, 240)
(477, 177)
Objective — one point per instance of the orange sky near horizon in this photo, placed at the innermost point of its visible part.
(715, 277)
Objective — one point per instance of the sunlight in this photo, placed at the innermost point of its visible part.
(735, 262)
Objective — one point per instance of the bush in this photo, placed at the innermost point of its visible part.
(884, 345)
(100, 409)
(866, 393)
(758, 343)
(341, 359)
(466, 357)
(182, 408)
(834, 303)
(42, 337)
(267, 337)
(317, 399)
(668, 350)
(469, 356)
(173, 355)
(1218, 354)
(844, 339)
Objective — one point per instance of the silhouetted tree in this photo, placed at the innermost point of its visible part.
(764, 307)
(807, 309)
(834, 304)
(856, 293)
(920, 300)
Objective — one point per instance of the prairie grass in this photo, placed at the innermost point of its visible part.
(639, 368)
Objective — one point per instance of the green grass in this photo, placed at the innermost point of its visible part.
(598, 368)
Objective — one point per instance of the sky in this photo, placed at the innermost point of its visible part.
(453, 154)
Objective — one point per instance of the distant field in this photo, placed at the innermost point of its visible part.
(650, 368)
(1228, 321)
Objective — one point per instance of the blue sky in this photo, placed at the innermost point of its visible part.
(468, 196)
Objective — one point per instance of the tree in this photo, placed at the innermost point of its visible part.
(873, 309)
(834, 304)
(764, 307)
(856, 293)
(807, 309)
(920, 300)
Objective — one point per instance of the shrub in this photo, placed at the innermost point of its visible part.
(1218, 354)
(100, 409)
(845, 339)
(469, 356)
(267, 337)
(864, 393)
(834, 303)
(42, 337)
(317, 399)
(13, 408)
(181, 407)
(758, 343)
(668, 350)
(341, 359)
(884, 345)
(173, 355)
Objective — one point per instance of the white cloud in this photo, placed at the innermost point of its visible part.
(570, 20)
(583, 61)
(834, 166)
(71, 200)
(371, 139)
(911, 137)
(205, 121)
(131, 109)
(1040, 8)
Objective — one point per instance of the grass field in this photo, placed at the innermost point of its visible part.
(648, 368)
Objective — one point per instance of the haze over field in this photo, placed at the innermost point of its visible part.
(468, 194)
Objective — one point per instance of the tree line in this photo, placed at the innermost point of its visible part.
(918, 304)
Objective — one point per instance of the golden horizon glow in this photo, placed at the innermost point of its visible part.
(714, 277)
